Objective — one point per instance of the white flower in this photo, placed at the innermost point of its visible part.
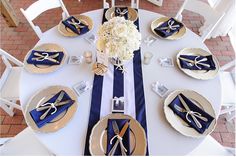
(119, 38)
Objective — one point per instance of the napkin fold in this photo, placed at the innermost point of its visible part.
(36, 114)
(122, 11)
(111, 134)
(199, 65)
(83, 28)
(41, 56)
(194, 108)
(168, 28)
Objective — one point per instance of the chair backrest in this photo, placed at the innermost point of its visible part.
(39, 7)
(7, 60)
(211, 16)
(133, 4)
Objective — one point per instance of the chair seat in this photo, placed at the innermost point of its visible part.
(210, 147)
(228, 88)
(25, 143)
(10, 89)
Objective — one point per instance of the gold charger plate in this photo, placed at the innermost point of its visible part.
(50, 47)
(69, 33)
(180, 125)
(198, 74)
(41, 97)
(175, 36)
(98, 137)
(132, 13)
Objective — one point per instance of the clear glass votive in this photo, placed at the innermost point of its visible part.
(147, 58)
(88, 56)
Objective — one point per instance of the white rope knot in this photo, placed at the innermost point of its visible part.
(172, 26)
(76, 24)
(120, 140)
(199, 62)
(44, 56)
(121, 13)
(194, 115)
(50, 106)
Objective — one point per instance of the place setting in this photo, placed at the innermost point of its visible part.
(75, 25)
(50, 109)
(168, 28)
(189, 113)
(117, 133)
(122, 11)
(198, 63)
(45, 58)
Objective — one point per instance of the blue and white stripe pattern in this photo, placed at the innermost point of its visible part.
(116, 84)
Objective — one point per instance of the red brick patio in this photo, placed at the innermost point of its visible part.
(18, 41)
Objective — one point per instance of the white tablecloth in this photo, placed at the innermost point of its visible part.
(163, 139)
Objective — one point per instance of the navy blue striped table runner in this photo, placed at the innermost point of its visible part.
(118, 91)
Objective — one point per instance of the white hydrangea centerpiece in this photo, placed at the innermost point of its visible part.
(119, 38)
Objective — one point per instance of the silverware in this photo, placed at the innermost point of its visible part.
(195, 62)
(52, 105)
(180, 109)
(116, 130)
(57, 105)
(120, 135)
(192, 114)
(45, 56)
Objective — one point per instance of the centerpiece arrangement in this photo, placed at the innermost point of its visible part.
(118, 39)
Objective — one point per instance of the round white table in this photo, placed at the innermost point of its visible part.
(163, 139)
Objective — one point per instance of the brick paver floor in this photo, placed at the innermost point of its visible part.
(19, 40)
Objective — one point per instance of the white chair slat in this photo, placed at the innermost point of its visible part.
(212, 17)
(40, 6)
(9, 83)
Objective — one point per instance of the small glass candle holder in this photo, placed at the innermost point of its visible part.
(88, 56)
(147, 58)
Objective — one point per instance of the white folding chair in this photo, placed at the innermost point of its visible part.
(210, 147)
(9, 83)
(211, 16)
(23, 144)
(227, 79)
(133, 4)
(39, 7)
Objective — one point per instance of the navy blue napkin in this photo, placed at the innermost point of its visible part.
(193, 108)
(111, 134)
(83, 30)
(163, 32)
(36, 114)
(45, 61)
(121, 9)
(209, 61)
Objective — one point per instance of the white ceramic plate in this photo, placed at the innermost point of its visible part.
(175, 36)
(132, 13)
(69, 33)
(41, 97)
(198, 74)
(180, 125)
(42, 69)
(98, 137)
